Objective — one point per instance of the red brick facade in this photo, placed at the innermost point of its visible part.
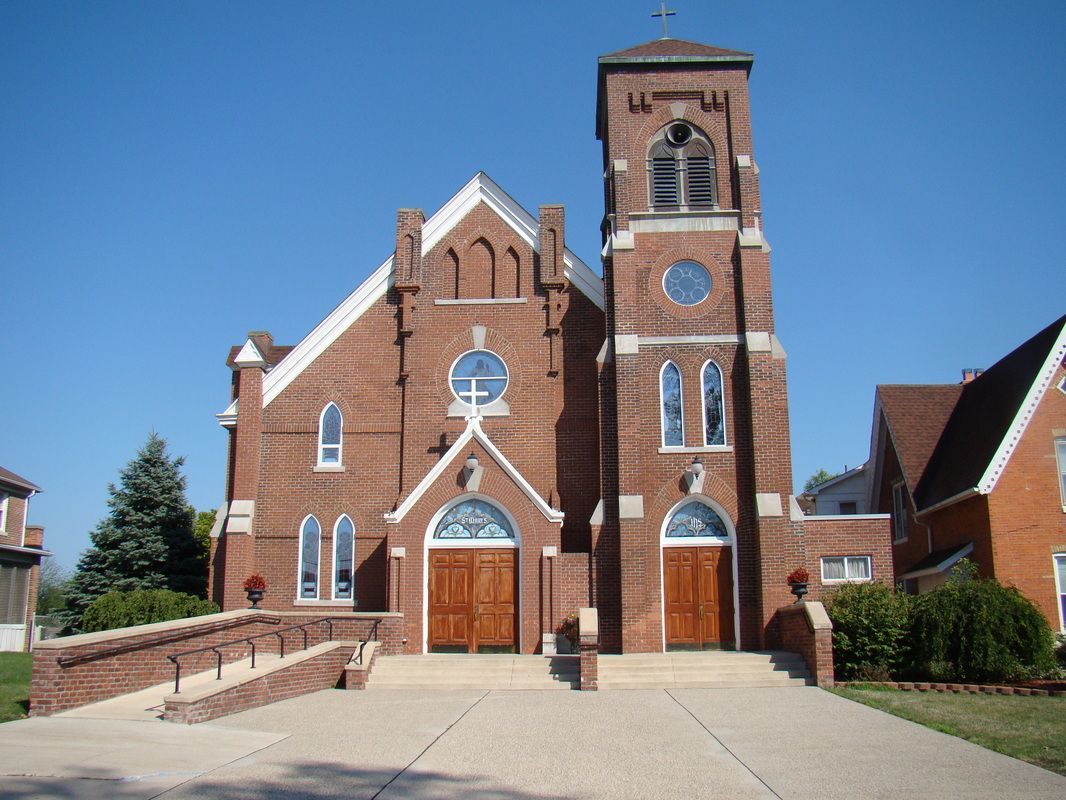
(574, 452)
(21, 551)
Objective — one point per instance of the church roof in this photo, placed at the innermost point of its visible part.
(660, 50)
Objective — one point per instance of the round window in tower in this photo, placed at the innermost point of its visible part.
(478, 377)
(687, 283)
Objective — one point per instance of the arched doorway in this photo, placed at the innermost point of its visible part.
(472, 578)
(699, 577)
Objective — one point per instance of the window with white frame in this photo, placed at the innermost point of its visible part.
(670, 399)
(3, 513)
(330, 438)
(310, 545)
(846, 568)
(899, 512)
(1060, 587)
(713, 405)
(1060, 459)
(343, 558)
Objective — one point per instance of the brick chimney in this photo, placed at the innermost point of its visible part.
(970, 374)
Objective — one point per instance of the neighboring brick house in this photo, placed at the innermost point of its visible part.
(21, 551)
(486, 436)
(978, 470)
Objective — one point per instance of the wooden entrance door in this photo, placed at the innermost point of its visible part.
(698, 597)
(472, 600)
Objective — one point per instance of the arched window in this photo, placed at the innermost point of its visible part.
(681, 168)
(330, 425)
(310, 544)
(474, 519)
(713, 405)
(670, 396)
(343, 559)
(696, 519)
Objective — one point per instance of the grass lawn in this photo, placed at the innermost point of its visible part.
(1032, 729)
(14, 685)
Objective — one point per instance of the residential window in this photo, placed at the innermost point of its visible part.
(681, 168)
(479, 377)
(1060, 459)
(713, 405)
(14, 591)
(670, 399)
(899, 512)
(310, 544)
(849, 507)
(1060, 587)
(3, 513)
(845, 568)
(343, 557)
(330, 426)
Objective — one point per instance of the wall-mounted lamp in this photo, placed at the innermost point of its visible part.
(693, 476)
(697, 466)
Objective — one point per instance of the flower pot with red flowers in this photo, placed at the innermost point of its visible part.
(254, 586)
(797, 582)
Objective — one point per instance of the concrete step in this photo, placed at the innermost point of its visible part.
(708, 669)
(468, 671)
(752, 683)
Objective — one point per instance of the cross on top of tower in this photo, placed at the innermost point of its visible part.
(664, 13)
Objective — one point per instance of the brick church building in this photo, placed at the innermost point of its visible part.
(486, 436)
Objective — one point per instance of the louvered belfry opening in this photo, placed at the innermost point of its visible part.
(682, 175)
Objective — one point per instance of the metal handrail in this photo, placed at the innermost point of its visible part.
(217, 648)
(370, 637)
(129, 647)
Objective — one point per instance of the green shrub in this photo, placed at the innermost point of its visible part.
(979, 631)
(869, 630)
(122, 609)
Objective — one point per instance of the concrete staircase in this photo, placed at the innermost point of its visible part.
(463, 671)
(709, 669)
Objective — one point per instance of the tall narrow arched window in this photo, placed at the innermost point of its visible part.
(343, 559)
(670, 400)
(330, 425)
(681, 168)
(310, 545)
(713, 405)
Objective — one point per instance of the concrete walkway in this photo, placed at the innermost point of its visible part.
(691, 743)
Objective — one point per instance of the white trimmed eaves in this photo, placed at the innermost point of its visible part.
(228, 418)
(1025, 413)
(473, 432)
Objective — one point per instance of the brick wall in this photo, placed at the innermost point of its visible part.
(114, 663)
(847, 536)
(804, 628)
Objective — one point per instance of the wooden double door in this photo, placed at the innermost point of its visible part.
(473, 601)
(698, 598)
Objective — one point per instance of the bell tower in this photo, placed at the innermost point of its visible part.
(694, 405)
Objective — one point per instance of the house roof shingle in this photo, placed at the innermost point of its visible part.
(916, 415)
(982, 417)
(17, 481)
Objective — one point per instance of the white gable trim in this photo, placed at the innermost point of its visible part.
(481, 188)
(473, 431)
(250, 356)
(1025, 414)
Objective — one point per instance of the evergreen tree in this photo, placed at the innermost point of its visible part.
(146, 541)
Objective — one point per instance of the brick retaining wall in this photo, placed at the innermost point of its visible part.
(805, 628)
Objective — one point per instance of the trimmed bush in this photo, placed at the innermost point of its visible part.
(979, 631)
(869, 630)
(139, 607)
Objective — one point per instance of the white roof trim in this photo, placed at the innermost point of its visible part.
(228, 418)
(480, 188)
(473, 431)
(943, 566)
(250, 356)
(1025, 413)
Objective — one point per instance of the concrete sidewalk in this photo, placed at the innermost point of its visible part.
(698, 743)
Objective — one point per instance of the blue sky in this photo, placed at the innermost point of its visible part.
(174, 175)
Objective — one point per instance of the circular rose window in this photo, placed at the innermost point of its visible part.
(687, 283)
(478, 377)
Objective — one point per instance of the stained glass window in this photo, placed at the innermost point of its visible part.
(473, 519)
(687, 283)
(713, 405)
(343, 553)
(329, 436)
(673, 426)
(696, 519)
(310, 539)
(479, 377)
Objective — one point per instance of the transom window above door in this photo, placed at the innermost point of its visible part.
(474, 519)
(696, 519)
(478, 378)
